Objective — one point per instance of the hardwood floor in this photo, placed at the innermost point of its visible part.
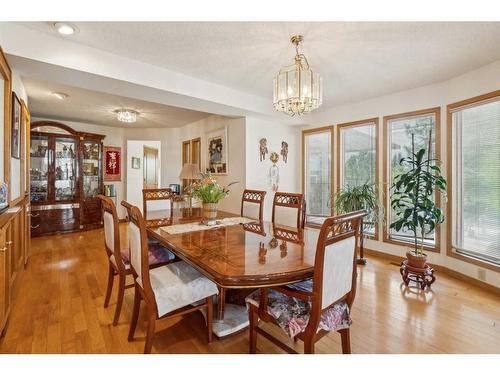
(59, 309)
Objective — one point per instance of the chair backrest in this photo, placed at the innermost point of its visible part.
(289, 209)
(111, 229)
(335, 263)
(157, 199)
(138, 243)
(128, 207)
(252, 204)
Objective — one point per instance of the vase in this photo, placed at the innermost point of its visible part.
(417, 261)
(209, 213)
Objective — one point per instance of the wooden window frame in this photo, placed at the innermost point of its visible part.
(355, 124)
(449, 210)
(187, 157)
(306, 132)
(436, 111)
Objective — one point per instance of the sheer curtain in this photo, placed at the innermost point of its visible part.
(476, 181)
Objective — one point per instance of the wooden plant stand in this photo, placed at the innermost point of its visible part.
(421, 276)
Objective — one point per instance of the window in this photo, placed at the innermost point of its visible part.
(357, 157)
(475, 178)
(423, 127)
(317, 173)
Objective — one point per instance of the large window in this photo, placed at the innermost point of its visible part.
(357, 157)
(423, 128)
(475, 178)
(317, 177)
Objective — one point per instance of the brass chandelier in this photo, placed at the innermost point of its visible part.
(297, 90)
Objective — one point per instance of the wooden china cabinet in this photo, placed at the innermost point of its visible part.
(66, 177)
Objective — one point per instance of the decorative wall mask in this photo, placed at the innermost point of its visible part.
(284, 151)
(263, 148)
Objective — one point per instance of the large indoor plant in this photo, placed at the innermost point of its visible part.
(413, 203)
(362, 197)
(209, 192)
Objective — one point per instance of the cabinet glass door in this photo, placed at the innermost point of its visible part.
(39, 168)
(91, 168)
(65, 173)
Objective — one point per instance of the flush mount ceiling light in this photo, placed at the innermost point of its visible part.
(60, 95)
(297, 90)
(65, 28)
(126, 115)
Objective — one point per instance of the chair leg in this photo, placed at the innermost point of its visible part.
(135, 314)
(111, 277)
(308, 345)
(209, 318)
(119, 302)
(253, 318)
(346, 341)
(149, 335)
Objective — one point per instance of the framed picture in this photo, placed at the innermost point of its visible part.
(217, 152)
(16, 127)
(136, 163)
(112, 163)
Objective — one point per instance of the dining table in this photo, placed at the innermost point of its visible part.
(236, 253)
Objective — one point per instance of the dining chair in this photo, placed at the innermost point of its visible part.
(157, 199)
(289, 209)
(308, 310)
(252, 204)
(119, 258)
(169, 291)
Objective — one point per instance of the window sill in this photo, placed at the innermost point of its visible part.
(469, 259)
(434, 249)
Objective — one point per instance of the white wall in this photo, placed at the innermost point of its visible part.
(257, 172)
(477, 82)
(135, 176)
(1, 126)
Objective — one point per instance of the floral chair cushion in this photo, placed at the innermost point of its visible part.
(157, 254)
(292, 314)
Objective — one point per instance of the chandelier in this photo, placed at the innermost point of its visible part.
(297, 90)
(126, 115)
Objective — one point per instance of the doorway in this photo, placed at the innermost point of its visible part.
(150, 178)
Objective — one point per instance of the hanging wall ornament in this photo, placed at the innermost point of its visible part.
(263, 148)
(274, 172)
(284, 151)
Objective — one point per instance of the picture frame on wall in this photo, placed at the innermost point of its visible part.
(136, 163)
(16, 127)
(217, 161)
(112, 163)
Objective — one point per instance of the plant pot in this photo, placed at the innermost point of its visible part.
(416, 261)
(209, 213)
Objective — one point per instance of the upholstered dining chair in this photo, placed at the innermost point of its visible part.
(119, 259)
(168, 291)
(252, 204)
(309, 309)
(289, 209)
(157, 199)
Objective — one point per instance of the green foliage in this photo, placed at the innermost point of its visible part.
(412, 197)
(208, 190)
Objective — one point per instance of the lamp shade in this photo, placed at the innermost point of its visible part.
(190, 172)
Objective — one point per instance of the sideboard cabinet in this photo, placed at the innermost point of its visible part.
(66, 176)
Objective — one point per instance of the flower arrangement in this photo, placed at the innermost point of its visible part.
(208, 190)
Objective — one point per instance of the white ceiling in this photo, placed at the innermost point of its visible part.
(97, 107)
(358, 60)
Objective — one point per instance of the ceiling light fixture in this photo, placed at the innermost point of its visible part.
(65, 28)
(297, 90)
(60, 95)
(126, 115)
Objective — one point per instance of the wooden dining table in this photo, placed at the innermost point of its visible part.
(241, 256)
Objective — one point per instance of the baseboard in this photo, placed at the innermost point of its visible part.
(452, 273)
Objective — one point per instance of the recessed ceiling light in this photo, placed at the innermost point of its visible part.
(60, 95)
(126, 115)
(65, 28)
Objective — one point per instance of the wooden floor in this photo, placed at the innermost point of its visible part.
(59, 309)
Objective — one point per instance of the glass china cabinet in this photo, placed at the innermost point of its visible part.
(66, 177)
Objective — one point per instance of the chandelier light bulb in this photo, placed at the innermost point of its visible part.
(126, 115)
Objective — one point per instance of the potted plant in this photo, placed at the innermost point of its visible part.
(209, 192)
(413, 203)
(362, 197)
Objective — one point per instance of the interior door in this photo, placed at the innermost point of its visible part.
(150, 168)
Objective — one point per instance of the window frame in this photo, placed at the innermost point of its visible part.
(436, 111)
(355, 124)
(306, 132)
(450, 251)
